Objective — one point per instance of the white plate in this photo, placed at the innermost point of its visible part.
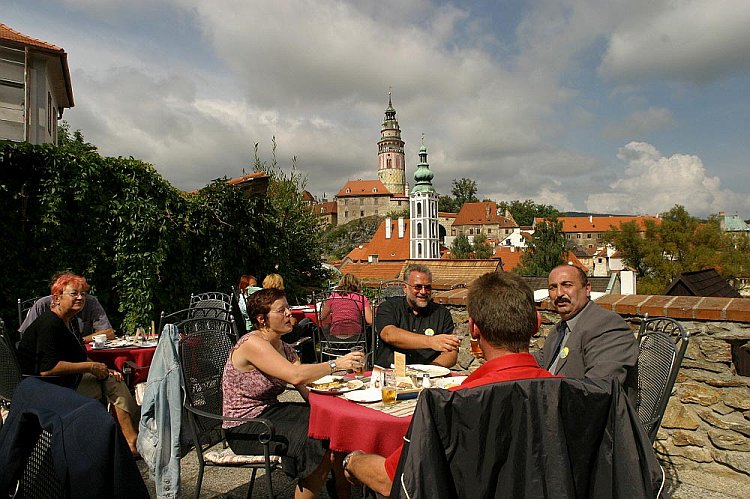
(348, 386)
(435, 371)
(449, 382)
(367, 396)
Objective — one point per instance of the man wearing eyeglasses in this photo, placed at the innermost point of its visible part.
(90, 321)
(415, 325)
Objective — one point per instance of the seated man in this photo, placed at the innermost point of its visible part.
(416, 326)
(502, 316)
(90, 321)
(589, 341)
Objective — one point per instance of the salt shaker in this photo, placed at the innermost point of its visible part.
(426, 380)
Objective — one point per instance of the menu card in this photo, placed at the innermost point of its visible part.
(399, 364)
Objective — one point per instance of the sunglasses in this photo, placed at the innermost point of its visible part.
(421, 287)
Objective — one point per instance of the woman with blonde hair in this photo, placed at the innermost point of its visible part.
(274, 281)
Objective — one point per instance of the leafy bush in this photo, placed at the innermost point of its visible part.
(142, 244)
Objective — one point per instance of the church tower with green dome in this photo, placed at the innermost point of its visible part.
(423, 212)
(391, 163)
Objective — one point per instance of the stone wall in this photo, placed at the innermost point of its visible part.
(704, 437)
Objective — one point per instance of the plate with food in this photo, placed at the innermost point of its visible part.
(366, 396)
(432, 370)
(335, 385)
(450, 381)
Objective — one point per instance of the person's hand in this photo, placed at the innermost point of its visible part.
(116, 375)
(99, 370)
(445, 343)
(351, 361)
(351, 478)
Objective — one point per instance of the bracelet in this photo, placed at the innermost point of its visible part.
(345, 462)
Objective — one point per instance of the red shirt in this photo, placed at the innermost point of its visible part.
(506, 368)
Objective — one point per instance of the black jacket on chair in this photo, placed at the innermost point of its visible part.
(534, 438)
(90, 456)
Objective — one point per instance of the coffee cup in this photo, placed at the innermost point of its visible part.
(99, 340)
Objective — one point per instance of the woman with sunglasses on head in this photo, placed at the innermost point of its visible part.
(50, 348)
(257, 372)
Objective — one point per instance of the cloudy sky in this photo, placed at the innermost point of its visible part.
(627, 106)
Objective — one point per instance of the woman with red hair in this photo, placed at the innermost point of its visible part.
(50, 348)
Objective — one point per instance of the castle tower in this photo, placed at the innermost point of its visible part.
(423, 212)
(391, 164)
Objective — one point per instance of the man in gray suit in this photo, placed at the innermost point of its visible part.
(589, 341)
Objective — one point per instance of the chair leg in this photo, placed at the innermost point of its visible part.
(199, 483)
(252, 483)
(269, 482)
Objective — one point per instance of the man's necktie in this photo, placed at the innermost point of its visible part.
(564, 331)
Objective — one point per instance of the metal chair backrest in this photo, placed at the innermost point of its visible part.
(215, 299)
(10, 371)
(201, 312)
(662, 343)
(340, 317)
(388, 289)
(39, 478)
(203, 352)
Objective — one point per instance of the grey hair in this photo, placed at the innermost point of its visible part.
(417, 267)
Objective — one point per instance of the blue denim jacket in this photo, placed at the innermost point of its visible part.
(161, 414)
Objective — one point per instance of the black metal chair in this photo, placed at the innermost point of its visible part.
(662, 343)
(211, 299)
(10, 371)
(38, 477)
(341, 323)
(204, 350)
(387, 289)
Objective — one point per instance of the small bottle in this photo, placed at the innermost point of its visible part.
(426, 380)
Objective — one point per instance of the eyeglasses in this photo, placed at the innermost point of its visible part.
(281, 310)
(420, 287)
(82, 294)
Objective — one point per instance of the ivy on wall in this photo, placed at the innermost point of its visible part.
(144, 245)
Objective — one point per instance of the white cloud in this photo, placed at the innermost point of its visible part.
(653, 184)
(688, 40)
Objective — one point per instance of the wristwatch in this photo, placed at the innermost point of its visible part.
(345, 462)
(332, 365)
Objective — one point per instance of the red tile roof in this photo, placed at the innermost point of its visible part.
(325, 208)
(371, 274)
(600, 224)
(358, 188)
(9, 34)
(246, 178)
(482, 213)
(393, 249)
(511, 257)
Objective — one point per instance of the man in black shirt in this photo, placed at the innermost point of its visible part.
(416, 326)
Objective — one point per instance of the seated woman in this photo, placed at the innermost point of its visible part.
(50, 348)
(248, 285)
(273, 281)
(257, 372)
(342, 312)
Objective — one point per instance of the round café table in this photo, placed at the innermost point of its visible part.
(115, 358)
(350, 426)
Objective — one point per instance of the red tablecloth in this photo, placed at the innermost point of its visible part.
(302, 313)
(115, 358)
(350, 426)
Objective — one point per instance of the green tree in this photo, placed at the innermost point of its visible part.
(481, 249)
(464, 190)
(546, 250)
(461, 247)
(447, 204)
(524, 212)
(680, 243)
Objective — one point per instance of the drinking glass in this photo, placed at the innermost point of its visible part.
(388, 389)
(359, 370)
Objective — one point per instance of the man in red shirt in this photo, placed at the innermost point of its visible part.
(502, 316)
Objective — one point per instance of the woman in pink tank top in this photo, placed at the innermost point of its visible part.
(258, 370)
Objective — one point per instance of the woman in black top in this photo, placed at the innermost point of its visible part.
(50, 348)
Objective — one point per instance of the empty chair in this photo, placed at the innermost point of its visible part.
(662, 343)
(23, 308)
